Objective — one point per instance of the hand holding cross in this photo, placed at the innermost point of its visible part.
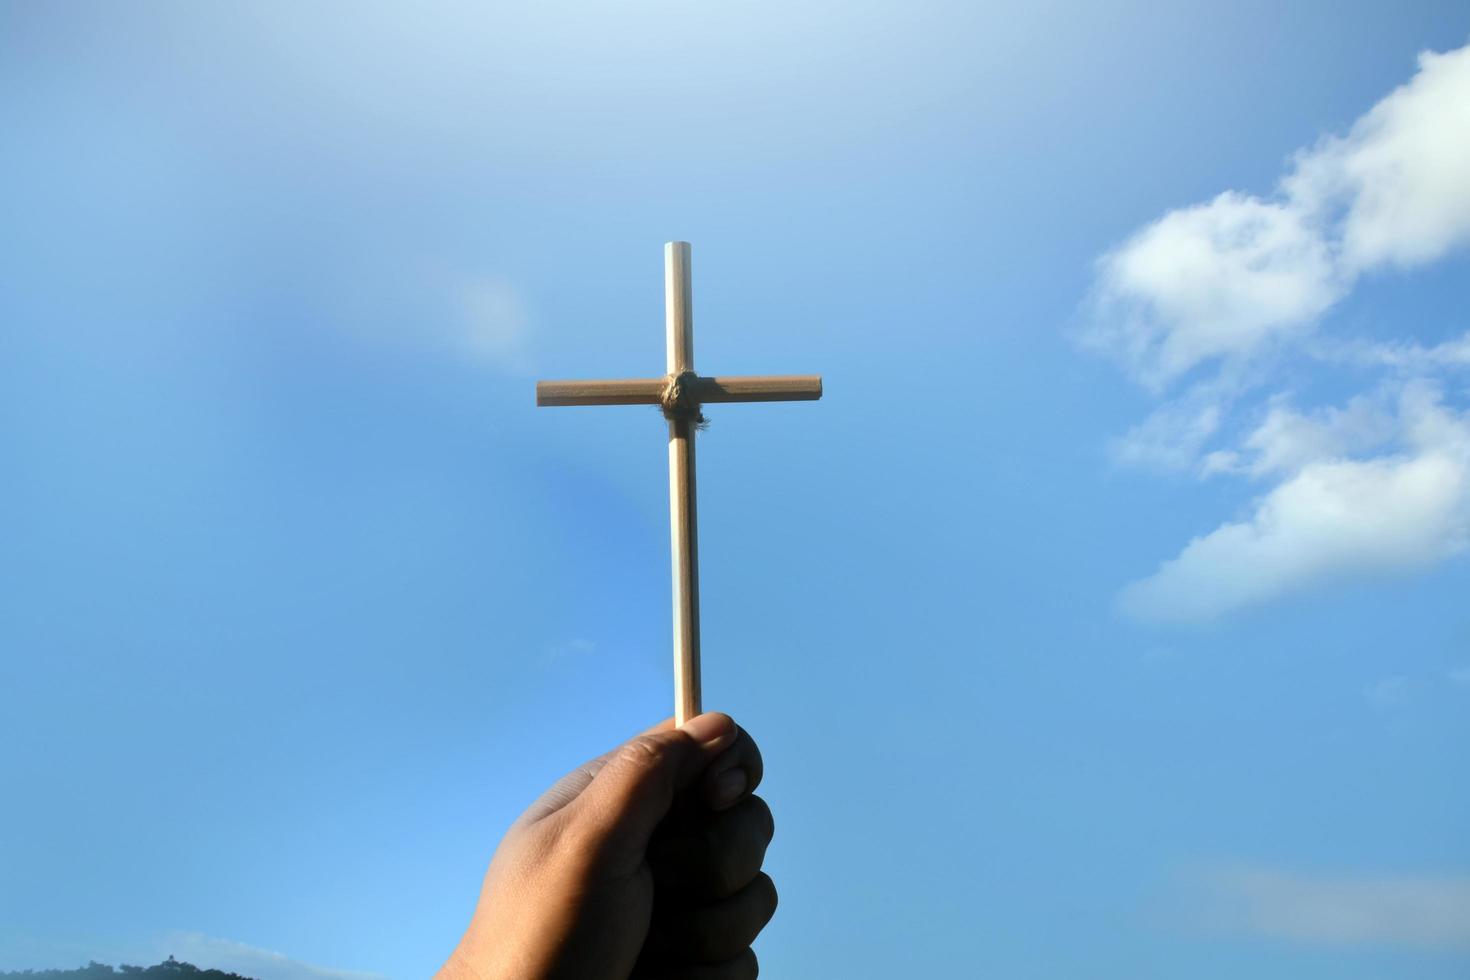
(681, 393)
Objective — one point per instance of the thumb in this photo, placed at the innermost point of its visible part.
(636, 786)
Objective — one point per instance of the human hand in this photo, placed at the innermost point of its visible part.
(643, 863)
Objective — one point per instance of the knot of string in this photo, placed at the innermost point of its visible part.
(678, 401)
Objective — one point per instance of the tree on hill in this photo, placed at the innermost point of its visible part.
(169, 969)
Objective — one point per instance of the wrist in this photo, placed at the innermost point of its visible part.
(460, 966)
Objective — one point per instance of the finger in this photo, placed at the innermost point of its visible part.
(718, 932)
(718, 857)
(569, 787)
(744, 966)
(734, 775)
(636, 785)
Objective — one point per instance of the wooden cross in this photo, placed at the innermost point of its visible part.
(681, 393)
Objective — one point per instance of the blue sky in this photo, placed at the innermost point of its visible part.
(1106, 618)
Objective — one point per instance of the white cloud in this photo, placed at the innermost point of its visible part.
(1330, 519)
(1388, 693)
(251, 961)
(1228, 289)
(494, 323)
(1171, 437)
(1210, 281)
(1397, 183)
(20, 950)
(1405, 357)
(1421, 912)
(1333, 520)
(1287, 440)
(1226, 278)
(440, 308)
(577, 648)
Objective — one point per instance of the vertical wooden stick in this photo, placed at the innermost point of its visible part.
(684, 537)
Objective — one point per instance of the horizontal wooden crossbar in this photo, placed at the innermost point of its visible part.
(707, 391)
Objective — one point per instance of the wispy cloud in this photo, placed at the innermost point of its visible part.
(576, 648)
(1415, 911)
(1406, 357)
(1222, 279)
(250, 961)
(1393, 191)
(493, 322)
(1172, 435)
(35, 952)
(1388, 693)
(1216, 280)
(1330, 518)
(1231, 288)
(480, 317)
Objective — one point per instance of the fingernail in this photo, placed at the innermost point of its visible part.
(728, 787)
(709, 728)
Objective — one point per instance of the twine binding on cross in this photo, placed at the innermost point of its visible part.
(678, 400)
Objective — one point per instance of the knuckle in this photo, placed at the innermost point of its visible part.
(712, 937)
(732, 850)
(728, 875)
(575, 844)
(770, 897)
(765, 820)
(723, 933)
(752, 752)
(644, 752)
(743, 967)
